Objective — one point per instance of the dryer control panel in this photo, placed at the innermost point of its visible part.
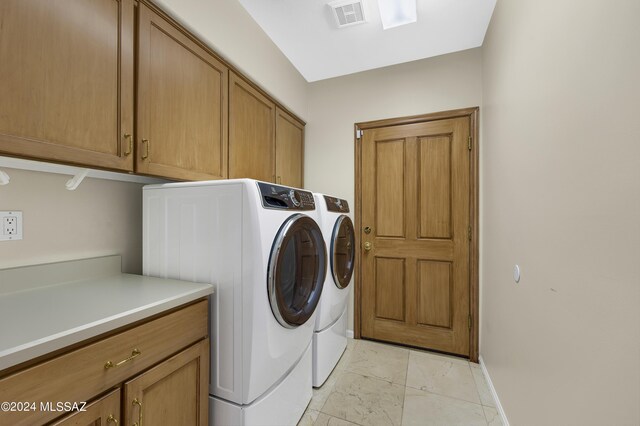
(336, 204)
(282, 197)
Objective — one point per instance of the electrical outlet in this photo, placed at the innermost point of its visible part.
(10, 225)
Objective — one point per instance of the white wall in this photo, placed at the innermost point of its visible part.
(561, 185)
(99, 218)
(335, 105)
(229, 29)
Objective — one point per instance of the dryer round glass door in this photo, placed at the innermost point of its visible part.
(343, 243)
(297, 269)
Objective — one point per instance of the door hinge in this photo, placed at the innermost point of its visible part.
(469, 139)
(470, 321)
(359, 133)
(469, 233)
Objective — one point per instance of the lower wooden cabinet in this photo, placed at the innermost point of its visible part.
(174, 392)
(159, 367)
(103, 411)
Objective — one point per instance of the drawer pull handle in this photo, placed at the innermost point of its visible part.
(139, 404)
(112, 419)
(110, 364)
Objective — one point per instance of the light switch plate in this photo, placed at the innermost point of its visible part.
(10, 225)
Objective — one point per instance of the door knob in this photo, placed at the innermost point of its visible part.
(367, 230)
(367, 246)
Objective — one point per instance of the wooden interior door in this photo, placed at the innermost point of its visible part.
(182, 104)
(251, 132)
(289, 150)
(175, 392)
(415, 234)
(66, 81)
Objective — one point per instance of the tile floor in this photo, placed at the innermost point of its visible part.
(379, 384)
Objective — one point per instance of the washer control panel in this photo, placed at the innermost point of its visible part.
(336, 204)
(282, 197)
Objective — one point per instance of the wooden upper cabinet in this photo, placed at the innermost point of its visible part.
(182, 104)
(251, 132)
(289, 149)
(66, 81)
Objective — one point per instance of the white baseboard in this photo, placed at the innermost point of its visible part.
(494, 394)
(350, 334)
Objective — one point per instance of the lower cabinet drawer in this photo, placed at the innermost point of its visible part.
(90, 370)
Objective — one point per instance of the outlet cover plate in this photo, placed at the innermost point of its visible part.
(10, 225)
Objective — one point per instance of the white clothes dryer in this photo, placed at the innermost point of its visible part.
(330, 334)
(261, 246)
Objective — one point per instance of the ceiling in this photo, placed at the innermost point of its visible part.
(306, 32)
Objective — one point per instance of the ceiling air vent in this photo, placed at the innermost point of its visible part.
(347, 12)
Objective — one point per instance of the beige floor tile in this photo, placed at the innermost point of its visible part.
(481, 385)
(308, 418)
(346, 356)
(327, 420)
(351, 343)
(442, 375)
(435, 355)
(379, 361)
(321, 394)
(365, 401)
(427, 409)
(492, 416)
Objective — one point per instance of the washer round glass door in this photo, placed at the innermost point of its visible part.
(297, 269)
(343, 242)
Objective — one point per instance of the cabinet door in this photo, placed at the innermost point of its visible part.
(66, 81)
(289, 149)
(102, 412)
(182, 104)
(175, 392)
(251, 132)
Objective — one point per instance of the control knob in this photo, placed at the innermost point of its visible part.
(294, 197)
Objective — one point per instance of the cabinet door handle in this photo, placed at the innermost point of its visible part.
(145, 146)
(128, 146)
(279, 179)
(139, 404)
(134, 353)
(112, 419)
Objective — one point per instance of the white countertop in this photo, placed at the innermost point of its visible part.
(36, 319)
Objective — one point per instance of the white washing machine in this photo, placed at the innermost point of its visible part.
(261, 246)
(330, 334)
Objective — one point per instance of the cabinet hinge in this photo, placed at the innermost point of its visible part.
(359, 133)
(469, 233)
(469, 142)
(470, 321)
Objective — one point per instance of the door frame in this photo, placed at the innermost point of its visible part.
(472, 114)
